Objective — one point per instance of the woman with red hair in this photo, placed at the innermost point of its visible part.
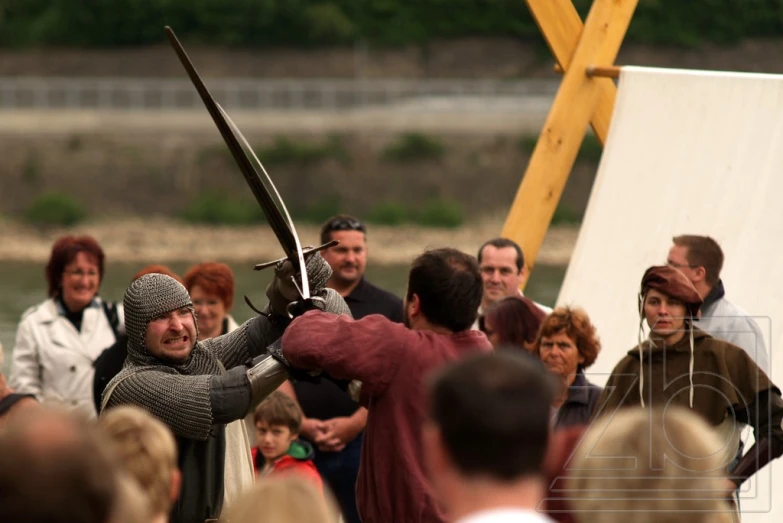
(211, 287)
(58, 340)
(512, 322)
(568, 343)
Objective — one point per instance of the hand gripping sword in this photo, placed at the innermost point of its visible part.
(250, 165)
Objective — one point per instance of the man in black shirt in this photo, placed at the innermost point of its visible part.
(333, 421)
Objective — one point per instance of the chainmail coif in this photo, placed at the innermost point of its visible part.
(158, 385)
(147, 298)
(178, 393)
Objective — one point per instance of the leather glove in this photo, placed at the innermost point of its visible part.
(276, 351)
(282, 290)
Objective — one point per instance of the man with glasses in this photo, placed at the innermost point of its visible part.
(333, 421)
(502, 266)
(700, 259)
(58, 339)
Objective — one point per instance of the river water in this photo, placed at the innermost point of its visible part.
(23, 285)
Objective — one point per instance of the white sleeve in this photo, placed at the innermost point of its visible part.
(121, 317)
(745, 333)
(25, 361)
(761, 357)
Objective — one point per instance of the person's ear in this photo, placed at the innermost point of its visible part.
(414, 305)
(521, 276)
(176, 484)
(699, 273)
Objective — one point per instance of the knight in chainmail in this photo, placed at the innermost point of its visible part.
(186, 384)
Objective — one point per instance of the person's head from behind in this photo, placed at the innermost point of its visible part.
(699, 258)
(284, 499)
(159, 319)
(648, 466)
(131, 503)
(444, 290)
(512, 322)
(502, 269)
(567, 341)
(211, 287)
(55, 468)
(348, 259)
(488, 421)
(277, 420)
(147, 450)
(75, 271)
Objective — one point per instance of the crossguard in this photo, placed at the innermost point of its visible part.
(297, 308)
(305, 254)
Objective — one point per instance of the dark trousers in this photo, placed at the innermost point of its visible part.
(339, 470)
(734, 463)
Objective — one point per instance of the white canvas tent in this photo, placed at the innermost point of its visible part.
(693, 152)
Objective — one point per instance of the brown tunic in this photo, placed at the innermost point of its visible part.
(725, 380)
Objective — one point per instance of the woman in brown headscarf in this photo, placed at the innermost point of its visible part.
(679, 364)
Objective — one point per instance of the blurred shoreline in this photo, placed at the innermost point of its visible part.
(164, 240)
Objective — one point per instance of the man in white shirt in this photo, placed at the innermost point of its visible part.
(485, 438)
(700, 259)
(502, 266)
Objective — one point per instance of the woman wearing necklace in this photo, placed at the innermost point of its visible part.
(59, 339)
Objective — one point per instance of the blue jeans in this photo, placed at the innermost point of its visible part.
(339, 470)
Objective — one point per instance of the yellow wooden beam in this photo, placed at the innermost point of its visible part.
(573, 109)
(562, 28)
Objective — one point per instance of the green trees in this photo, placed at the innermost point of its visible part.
(110, 23)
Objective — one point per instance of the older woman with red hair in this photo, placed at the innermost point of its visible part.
(567, 343)
(58, 340)
(211, 287)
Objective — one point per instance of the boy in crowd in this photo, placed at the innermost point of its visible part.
(279, 449)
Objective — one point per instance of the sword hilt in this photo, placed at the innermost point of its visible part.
(305, 252)
(299, 307)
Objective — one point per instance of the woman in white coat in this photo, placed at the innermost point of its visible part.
(58, 340)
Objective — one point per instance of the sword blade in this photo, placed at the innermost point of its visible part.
(305, 287)
(264, 199)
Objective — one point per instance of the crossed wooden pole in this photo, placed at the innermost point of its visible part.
(586, 96)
